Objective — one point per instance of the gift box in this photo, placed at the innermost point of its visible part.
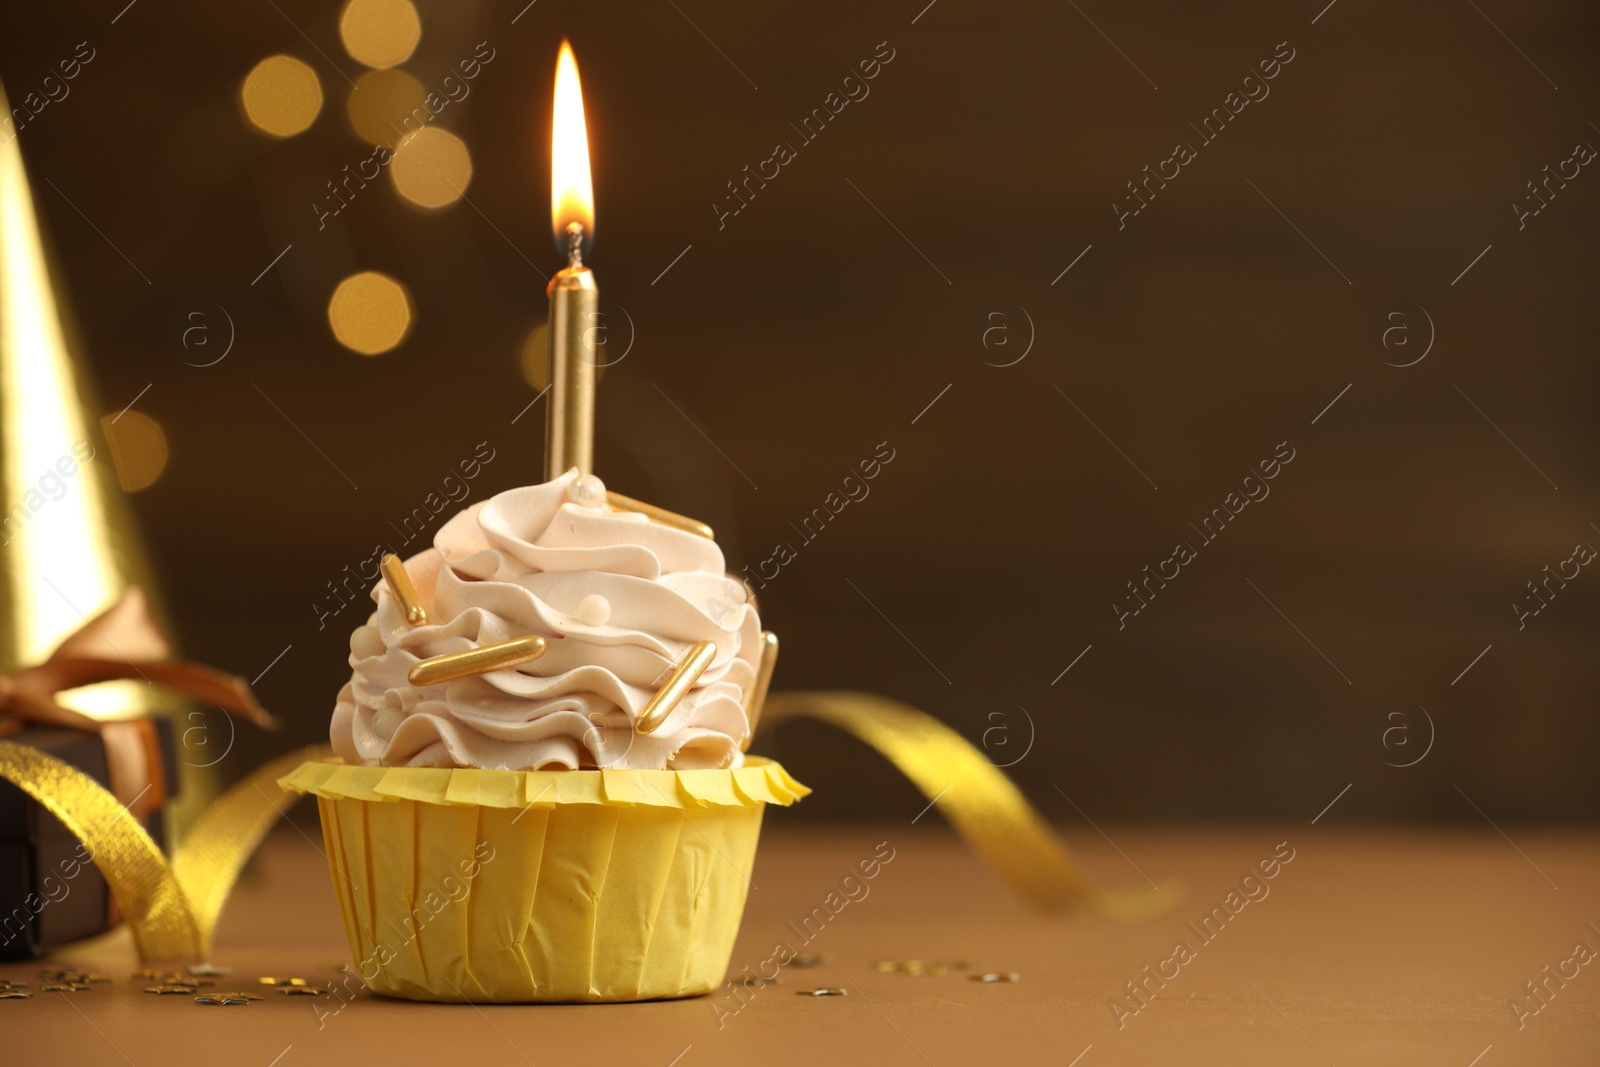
(51, 894)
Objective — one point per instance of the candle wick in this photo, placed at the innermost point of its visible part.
(574, 245)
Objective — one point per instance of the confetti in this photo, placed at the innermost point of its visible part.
(997, 976)
(210, 970)
(921, 968)
(822, 991)
(226, 998)
(808, 960)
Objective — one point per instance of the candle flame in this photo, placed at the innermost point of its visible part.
(571, 188)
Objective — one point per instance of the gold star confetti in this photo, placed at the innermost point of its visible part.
(302, 991)
(14, 994)
(226, 998)
(922, 968)
(822, 991)
(210, 970)
(997, 976)
(808, 960)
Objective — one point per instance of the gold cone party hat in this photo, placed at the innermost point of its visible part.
(67, 545)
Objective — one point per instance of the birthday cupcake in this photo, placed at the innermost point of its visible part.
(542, 792)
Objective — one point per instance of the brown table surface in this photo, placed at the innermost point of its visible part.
(1373, 947)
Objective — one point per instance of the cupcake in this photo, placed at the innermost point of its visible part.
(541, 791)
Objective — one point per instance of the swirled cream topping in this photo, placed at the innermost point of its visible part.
(619, 600)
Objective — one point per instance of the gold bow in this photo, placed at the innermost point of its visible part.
(121, 643)
(172, 910)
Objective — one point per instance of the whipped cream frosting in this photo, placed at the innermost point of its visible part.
(619, 600)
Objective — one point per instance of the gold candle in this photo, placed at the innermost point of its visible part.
(573, 292)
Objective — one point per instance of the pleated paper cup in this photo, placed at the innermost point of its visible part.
(522, 886)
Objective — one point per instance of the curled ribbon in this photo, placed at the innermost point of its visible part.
(983, 805)
(171, 909)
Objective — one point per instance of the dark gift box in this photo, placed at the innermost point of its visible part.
(51, 893)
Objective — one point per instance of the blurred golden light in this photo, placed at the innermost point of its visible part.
(138, 449)
(281, 96)
(370, 313)
(571, 188)
(534, 359)
(431, 168)
(380, 100)
(380, 33)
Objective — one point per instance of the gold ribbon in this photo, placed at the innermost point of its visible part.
(172, 910)
(121, 643)
(983, 805)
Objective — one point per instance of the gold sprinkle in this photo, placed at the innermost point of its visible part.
(494, 657)
(766, 659)
(997, 976)
(683, 678)
(619, 502)
(822, 991)
(400, 587)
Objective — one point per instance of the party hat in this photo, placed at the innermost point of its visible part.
(67, 545)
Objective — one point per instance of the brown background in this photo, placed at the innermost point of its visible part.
(808, 330)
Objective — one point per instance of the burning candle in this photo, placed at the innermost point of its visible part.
(573, 293)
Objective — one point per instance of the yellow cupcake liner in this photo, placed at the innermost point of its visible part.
(523, 886)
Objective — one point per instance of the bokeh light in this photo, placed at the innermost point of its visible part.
(281, 96)
(431, 168)
(534, 360)
(381, 99)
(370, 313)
(380, 33)
(138, 449)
